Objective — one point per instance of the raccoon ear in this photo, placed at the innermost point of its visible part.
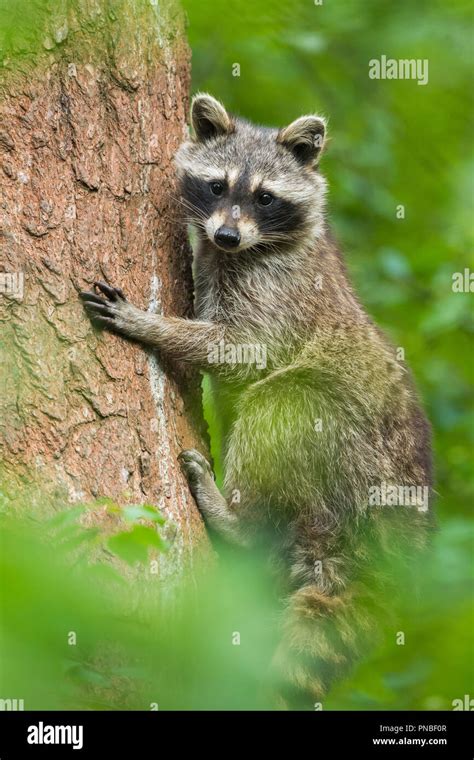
(209, 117)
(304, 137)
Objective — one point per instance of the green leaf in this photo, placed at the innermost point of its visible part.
(79, 537)
(66, 517)
(134, 512)
(133, 546)
(101, 573)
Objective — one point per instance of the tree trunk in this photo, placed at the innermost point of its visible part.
(93, 104)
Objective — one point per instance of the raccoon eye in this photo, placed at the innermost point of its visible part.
(217, 188)
(265, 199)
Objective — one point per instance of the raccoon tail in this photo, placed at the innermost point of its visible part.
(323, 636)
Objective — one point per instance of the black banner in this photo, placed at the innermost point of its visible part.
(374, 734)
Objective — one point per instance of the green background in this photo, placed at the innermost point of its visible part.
(392, 143)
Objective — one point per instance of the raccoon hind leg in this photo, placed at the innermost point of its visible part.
(211, 503)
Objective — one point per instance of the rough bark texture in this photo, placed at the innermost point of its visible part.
(92, 109)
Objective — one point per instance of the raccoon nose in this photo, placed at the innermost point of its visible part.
(227, 237)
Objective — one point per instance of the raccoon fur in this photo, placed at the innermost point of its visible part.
(324, 419)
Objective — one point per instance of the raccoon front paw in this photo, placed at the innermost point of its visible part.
(112, 311)
(195, 467)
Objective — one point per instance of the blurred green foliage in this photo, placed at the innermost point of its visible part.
(392, 142)
(83, 632)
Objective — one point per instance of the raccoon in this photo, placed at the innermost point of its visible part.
(326, 423)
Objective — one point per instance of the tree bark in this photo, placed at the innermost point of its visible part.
(93, 105)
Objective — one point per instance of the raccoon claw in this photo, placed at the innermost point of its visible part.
(98, 308)
(194, 465)
(104, 321)
(89, 295)
(113, 294)
(104, 311)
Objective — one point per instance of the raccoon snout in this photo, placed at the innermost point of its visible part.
(227, 237)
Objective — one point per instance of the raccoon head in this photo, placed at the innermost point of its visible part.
(251, 188)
